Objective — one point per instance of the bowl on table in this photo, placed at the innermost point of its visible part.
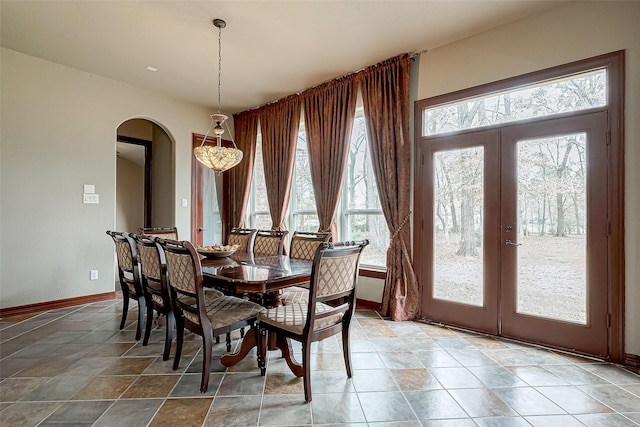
(217, 251)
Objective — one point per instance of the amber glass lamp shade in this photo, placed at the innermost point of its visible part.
(217, 157)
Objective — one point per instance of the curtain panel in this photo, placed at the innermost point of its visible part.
(246, 135)
(279, 124)
(329, 112)
(385, 94)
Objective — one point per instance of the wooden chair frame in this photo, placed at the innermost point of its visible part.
(341, 303)
(155, 284)
(170, 233)
(128, 263)
(199, 309)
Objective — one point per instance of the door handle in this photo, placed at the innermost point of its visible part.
(200, 230)
(510, 243)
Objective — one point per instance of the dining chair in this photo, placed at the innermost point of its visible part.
(269, 242)
(153, 273)
(170, 233)
(243, 237)
(303, 246)
(129, 276)
(328, 312)
(199, 311)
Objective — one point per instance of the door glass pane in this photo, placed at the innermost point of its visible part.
(552, 217)
(458, 225)
(211, 218)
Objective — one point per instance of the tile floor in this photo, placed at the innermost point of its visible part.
(74, 367)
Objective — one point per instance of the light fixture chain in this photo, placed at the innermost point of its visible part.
(219, 65)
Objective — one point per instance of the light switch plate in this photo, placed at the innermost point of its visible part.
(91, 198)
(184, 203)
(89, 189)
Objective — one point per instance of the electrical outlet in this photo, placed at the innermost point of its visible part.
(93, 275)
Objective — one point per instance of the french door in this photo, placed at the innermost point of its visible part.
(514, 221)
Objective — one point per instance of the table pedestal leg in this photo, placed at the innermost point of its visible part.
(248, 342)
(284, 344)
(278, 342)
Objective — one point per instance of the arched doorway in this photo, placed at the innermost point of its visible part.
(144, 176)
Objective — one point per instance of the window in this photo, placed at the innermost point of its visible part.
(567, 94)
(302, 207)
(258, 210)
(362, 216)
(359, 213)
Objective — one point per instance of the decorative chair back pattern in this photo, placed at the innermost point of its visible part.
(185, 278)
(242, 237)
(152, 264)
(269, 242)
(124, 254)
(305, 245)
(150, 261)
(336, 275)
(181, 273)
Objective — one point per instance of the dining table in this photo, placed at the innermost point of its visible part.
(260, 278)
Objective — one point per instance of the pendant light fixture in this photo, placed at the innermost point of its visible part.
(217, 157)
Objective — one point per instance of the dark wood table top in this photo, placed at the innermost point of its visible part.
(261, 278)
(248, 273)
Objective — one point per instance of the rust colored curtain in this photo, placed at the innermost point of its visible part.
(328, 116)
(246, 135)
(385, 94)
(279, 124)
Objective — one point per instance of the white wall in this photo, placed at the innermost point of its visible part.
(58, 133)
(129, 196)
(162, 176)
(570, 32)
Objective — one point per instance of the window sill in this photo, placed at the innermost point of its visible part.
(373, 272)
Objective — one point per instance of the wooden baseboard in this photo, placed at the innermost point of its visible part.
(632, 362)
(51, 305)
(368, 305)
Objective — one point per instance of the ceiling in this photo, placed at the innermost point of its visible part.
(270, 49)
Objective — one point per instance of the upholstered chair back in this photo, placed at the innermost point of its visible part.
(269, 242)
(305, 245)
(243, 237)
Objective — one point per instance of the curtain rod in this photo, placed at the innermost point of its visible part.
(412, 56)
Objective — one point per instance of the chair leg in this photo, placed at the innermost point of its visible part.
(261, 340)
(148, 323)
(141, 311)
(179, 341)
(207, 350)
(306, 366)
(125, 307)
(168, 337)
(346, 351)
(228, 342)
